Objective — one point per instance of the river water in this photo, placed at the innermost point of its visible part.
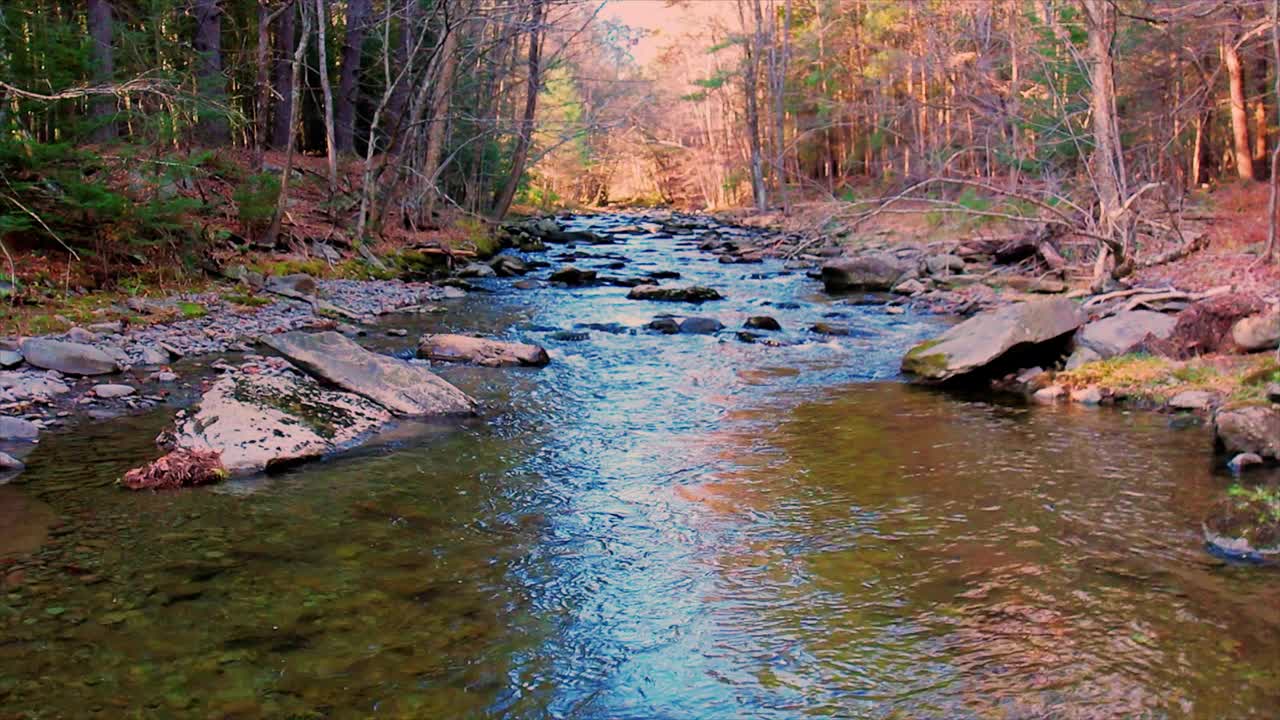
(653, 527)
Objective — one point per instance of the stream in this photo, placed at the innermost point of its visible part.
(653, 526)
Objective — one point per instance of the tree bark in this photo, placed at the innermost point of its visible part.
(1114, 220)
(102, 107)
(262, 101)
(358, 12)
(322, 22)
(1239, 113)
(286, 44)
(502, 200)
(213, 93)
(751, 87)
(295, 84)
(441, 96)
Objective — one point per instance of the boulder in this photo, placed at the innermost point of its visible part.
(987, 337)
(700, 326)
(67, 357)
(111, 391)
(10, 358)
(762, 322)
(397, 385)
(1193, 400)
(480, 351)
(666, 325)
(297, 284)
(570, 275)
(1122, 332)
(1248, 429)
(476, 270)
(692, 294)
(12, 428)
(862, 273)
(910, 286)
(9, 463)
(826, 328)
(1257, 332)
(257, 422)
(508, 266)
(154, 356)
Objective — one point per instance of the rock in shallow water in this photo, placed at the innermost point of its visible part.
(1249, 429)
(862, 273)
(480, 351)
(12, 428)
(692, 294)
(68, 357)
(109, 392)
(398, 385)
(985, 338)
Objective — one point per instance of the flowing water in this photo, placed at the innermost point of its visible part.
(652, 527)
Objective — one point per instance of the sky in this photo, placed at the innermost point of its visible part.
(664, 22)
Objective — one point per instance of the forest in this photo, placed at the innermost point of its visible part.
(169, 127)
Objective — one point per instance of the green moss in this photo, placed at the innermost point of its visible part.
(246, 300)
(191, 310)
(919, 361)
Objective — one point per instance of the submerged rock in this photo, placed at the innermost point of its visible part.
(862, 273)
(987, 337)
(691, 294)
(67, 357)
(398, 385)
(480, 351)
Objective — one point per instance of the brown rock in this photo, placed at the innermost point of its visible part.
(480, 351)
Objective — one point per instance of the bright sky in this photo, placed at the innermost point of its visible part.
(664, 21)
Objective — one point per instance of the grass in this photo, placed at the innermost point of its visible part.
(1236, 378)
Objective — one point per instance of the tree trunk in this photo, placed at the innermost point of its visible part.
(322, 22)
(358, 12)
(1239, 113)
(102, 108)
(502, 200)
(262, 101)
(1115, 223)
(1273, 223)
(295, 84)
(441, 95)
(213, 92)
(750, 87)
(286, 43)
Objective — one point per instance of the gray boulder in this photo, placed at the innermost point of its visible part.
(985, 338)
(943, 265)
(480, 351)
(1122, 332)
(476, 270)
(700, 326)
(398, 385)
(1257, 332)
(12, 428)
(67, 357)
(1248, 429)
(570, 275)
(862, 273)
(10, 358)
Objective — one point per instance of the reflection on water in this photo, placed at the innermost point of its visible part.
(656, 527)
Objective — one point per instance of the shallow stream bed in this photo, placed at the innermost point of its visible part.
(654, 526)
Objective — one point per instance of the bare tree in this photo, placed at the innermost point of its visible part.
(330, 143)
(295, 84)
(282, 81)
(208, 46)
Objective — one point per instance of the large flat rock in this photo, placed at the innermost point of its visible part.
(987, 337)
(398, 385)
(258, 422)
(867, 273)
(68, 358)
